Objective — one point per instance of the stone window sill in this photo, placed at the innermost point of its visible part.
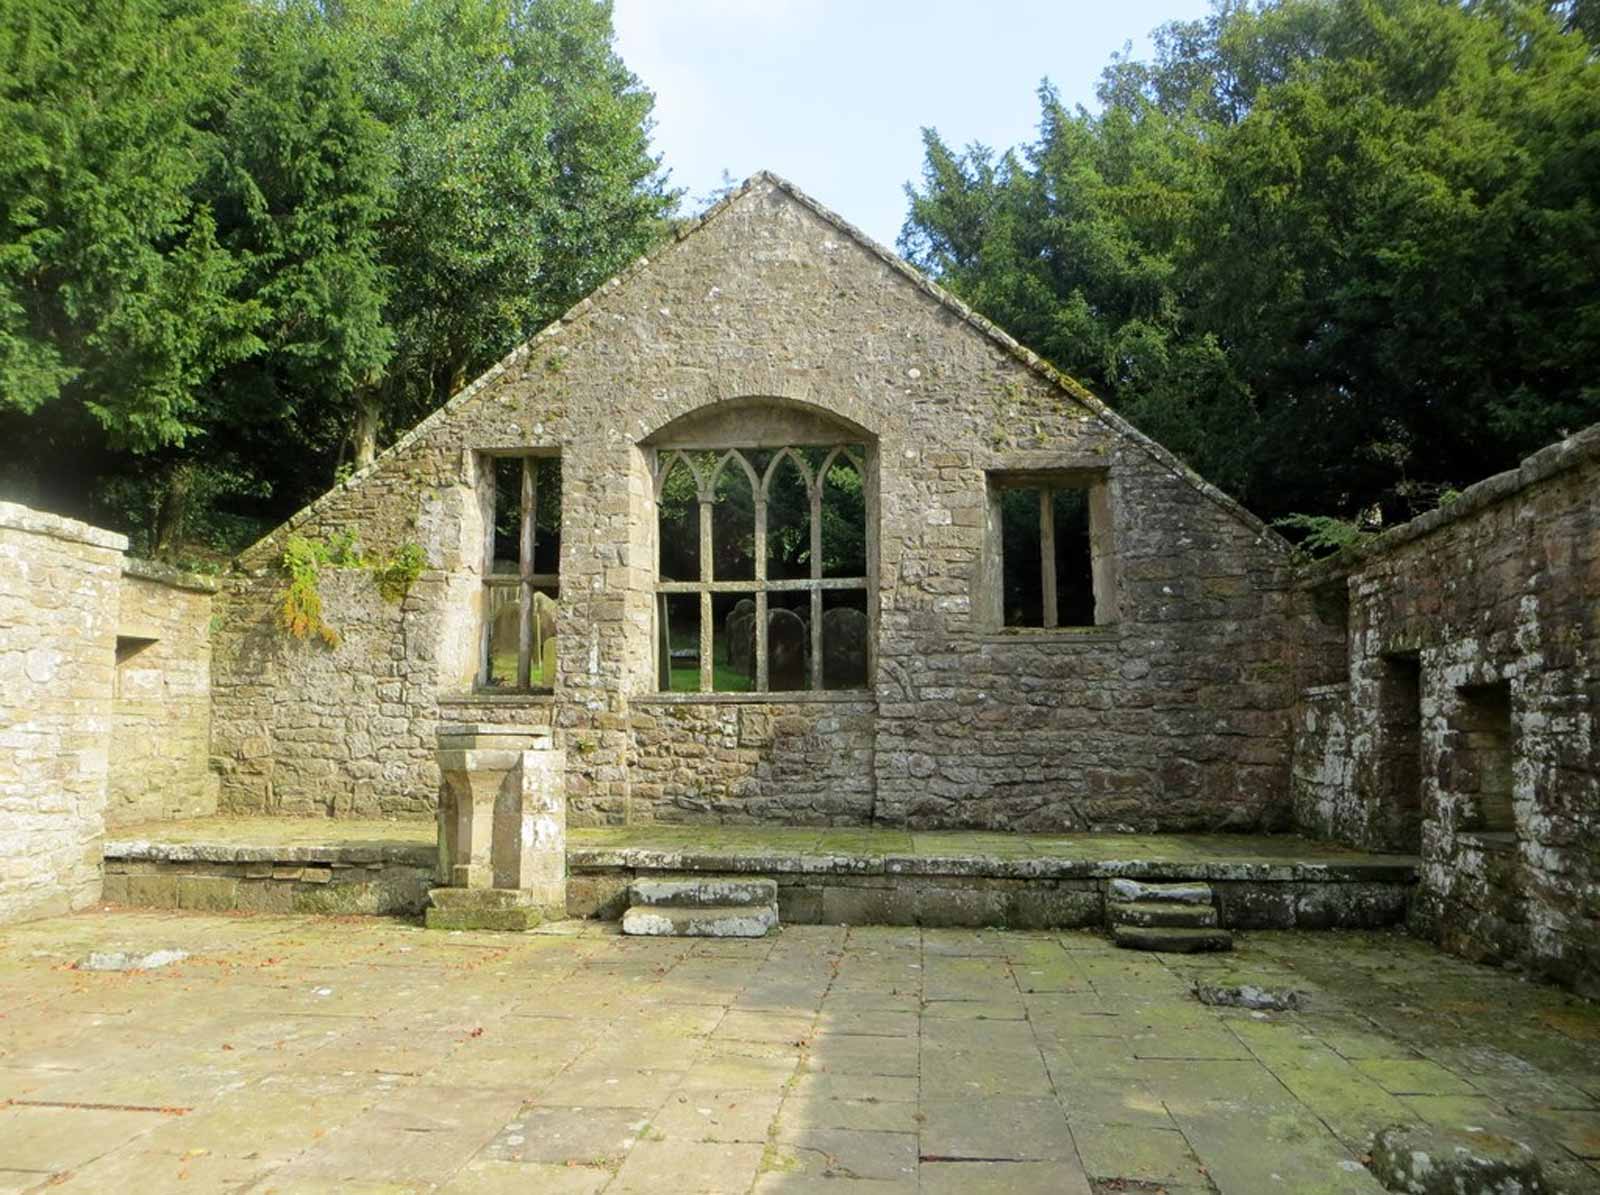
(1335, 689)
(792, 697)
(1038, 636)
(490, 697)
(1490, 840)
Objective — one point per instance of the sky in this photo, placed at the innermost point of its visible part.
(833, 94)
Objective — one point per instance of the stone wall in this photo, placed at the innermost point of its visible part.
(59, 583)
(1173, 714)
(1466, 731)
(734, 762)
(161, 727)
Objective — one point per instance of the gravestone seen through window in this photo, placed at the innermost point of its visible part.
(521, 578)
(762, 570)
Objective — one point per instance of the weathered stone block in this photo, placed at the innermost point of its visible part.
(497, 909)
(700, 921)
(598, 895)
(265, 896)
(1245, 905)
(941, 906)
(1440, 1161)
(335, 900)
(210, 893)
(849, 905)
(153, 891)
(800, 904)
(1350, 905)
(1058, 906)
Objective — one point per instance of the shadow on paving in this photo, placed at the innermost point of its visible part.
(362, 1055)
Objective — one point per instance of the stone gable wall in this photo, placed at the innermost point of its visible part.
(58, 626)
(161, 715)
(1500, 588)
(1176, 717)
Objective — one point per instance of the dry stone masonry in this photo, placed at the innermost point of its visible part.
(1463, 725)
(161, 709)
(58, 633)
(105, 704)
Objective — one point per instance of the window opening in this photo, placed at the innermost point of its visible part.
(1054, 557)
(779, 540)
(521, 577)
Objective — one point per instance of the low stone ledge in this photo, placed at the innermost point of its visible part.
(288, 854)
(1028, 893)
(1400, 870)
(336, 889)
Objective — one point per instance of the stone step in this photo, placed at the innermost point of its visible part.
(1185, 892)
(1163, 915)
(1172, 941)
(704, 891)
(700, 921)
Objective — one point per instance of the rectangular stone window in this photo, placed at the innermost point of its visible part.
(762, 569)
(1485, 755)
(521, 573)
(1049, 559)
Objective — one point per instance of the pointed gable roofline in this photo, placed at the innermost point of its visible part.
(251, 556)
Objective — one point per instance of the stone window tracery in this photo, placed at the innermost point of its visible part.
(521, 574)
(762, 568)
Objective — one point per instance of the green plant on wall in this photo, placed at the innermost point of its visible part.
(304, 559)
(396, 574)
(1324, 534)
(301, 612)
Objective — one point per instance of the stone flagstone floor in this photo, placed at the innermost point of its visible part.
(363, 1055)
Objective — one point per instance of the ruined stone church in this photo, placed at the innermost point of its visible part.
(773, 482)
(770, 530)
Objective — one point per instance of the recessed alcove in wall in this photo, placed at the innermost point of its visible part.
(1330, 658)
(1485, 747)
(1399, 757)
(128, 647)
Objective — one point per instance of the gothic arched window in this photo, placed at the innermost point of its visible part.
(762, 577)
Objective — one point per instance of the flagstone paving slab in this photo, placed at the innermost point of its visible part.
(297, 1055)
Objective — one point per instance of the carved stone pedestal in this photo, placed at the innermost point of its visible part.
(502, 829)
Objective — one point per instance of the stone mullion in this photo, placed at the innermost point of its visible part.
(762, 678)
(815, 495)
(485, 635)
(1047, 555)
(870, 587)
(706, 660)
(529, 511)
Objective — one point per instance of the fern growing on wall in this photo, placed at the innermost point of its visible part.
(304, 559)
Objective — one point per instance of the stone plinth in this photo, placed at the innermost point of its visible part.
(502, 829)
